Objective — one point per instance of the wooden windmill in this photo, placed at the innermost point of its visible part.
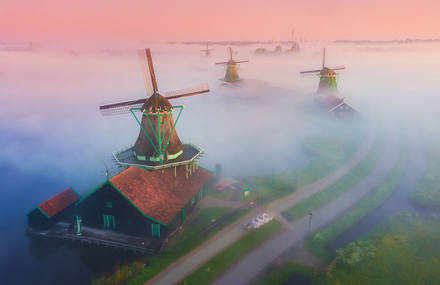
(158, 145)
(327, 93)
(231, 74)
(327, 76)
(295, 44)
(207, 50)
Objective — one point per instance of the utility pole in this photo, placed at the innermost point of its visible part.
(310, 221)
(273, 178)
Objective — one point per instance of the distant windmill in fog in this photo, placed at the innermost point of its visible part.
(328, 76)
(232, 68)
(207, 50)
(327, 94)
(295, 45)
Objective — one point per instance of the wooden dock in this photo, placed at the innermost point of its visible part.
(97, 237)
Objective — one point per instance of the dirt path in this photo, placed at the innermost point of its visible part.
(252, 264)
(209, 201)
(210, 248)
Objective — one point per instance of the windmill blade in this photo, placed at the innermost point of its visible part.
(192, 91)
(151, 68)
(121, 107)
(310, 72)
(242, 61)
(149, 75)
(224, 62)
(338, 67)
(148, 83)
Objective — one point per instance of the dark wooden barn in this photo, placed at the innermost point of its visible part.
(57, 208)
(335, 105)
(144, 203)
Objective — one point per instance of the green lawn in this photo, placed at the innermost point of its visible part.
(403, 250)
(427, 192)
(319, 199)
(319, 242)
(329, 151)
(218, 264)
(194, 234)
(287, 273)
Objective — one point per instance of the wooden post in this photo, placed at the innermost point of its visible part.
(175, 171)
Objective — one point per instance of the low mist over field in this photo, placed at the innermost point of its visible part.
(54, 137)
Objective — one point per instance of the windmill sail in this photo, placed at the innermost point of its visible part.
(148, 71)
(310, 71)
(191, 91)
(121, 107)
(338, 67)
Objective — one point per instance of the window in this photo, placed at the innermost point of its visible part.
(108, 205)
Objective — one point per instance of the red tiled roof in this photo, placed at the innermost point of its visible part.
(59, 202)
(158, 194)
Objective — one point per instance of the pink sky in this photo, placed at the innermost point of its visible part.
(163, 20)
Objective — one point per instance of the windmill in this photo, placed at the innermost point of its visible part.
(327, 76)
(327, 93)
(158, 145)
(207, 50)
(295, 44)
(231, 68)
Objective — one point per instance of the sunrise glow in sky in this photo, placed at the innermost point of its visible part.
(167, 20)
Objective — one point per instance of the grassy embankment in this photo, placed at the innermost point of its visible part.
(321, 198)
(318, 243)
(198, 230)
(329, 150)
(427, 192)
(221, 262)
(403, 250)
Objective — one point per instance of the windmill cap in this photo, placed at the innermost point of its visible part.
(327, 71)
(157, 102)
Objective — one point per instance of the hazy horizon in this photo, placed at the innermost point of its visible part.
(137, 21)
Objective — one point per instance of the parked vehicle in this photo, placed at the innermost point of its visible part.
(258, 221)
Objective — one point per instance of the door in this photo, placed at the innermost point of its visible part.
(155, 229)
(109, 222)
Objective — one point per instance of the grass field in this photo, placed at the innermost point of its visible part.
(287, 273)
(194, 234)
(319, 199)
(403, 250)
(319, 242)
(218, 264)
(427, 192)
(328, 151)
